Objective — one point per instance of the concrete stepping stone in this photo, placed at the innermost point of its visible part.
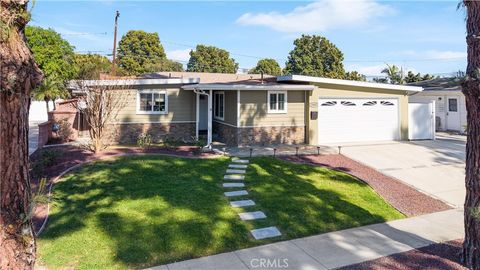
(267, 232)
(252, 215)
(236, 193)
(233, 184)
(234, 177)
(241, 161)
(236, 171)
(242, 203)
(237, 166)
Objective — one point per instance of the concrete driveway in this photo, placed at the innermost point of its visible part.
(32, 137)
(434, 167)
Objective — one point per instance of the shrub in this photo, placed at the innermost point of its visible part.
(144, 140)
(64, 130)
(46, 159)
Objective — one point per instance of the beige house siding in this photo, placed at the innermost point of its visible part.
(353, 91)
(230, 114)
(254, 113)
(181, 108)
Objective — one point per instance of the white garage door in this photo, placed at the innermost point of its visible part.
(357, 120)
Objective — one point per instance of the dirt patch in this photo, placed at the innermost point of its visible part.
(406, 199)
(435, 256)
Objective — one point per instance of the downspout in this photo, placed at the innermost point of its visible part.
(202, 92)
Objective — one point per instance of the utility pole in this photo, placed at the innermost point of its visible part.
(117, 14)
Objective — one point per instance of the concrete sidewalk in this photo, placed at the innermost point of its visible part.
(337, 249)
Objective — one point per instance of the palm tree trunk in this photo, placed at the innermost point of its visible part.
(46, 104)
(471, 89)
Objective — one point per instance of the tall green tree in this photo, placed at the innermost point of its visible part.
(19, 74)
(138, 50)
(471, 90)
(315, 56)
(267, 66)
(412, 77)
(355, 76)
(394, 74)
(211, 59)
(55, 57)
(163, 65)
(90, 66)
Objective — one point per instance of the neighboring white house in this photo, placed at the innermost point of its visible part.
(450, 108)
(38, 111)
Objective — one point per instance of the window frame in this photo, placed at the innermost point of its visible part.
(215, 105)
(285, 109)
(456, 105)
(152, 92)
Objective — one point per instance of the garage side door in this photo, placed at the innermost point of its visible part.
(358, 120)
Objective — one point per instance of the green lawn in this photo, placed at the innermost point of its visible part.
(136, 212)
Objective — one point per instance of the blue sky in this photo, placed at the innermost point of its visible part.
(423, 36)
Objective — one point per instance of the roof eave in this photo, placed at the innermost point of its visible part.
(311, 79)
(248, 87)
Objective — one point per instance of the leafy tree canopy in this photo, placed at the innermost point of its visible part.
(315, 56)
(53, 54)
(355, 76)
(139, 49)
(164, 65)
(267, 66)
(394, 74)
(211, 59)
(411, 77)
(55, 57)
(89, 66)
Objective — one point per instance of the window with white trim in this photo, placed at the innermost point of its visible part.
(152, 102)
(219, 105)
(277, 101)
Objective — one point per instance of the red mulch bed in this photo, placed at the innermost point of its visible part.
(435, 256)
(68, 156)
(406, 199)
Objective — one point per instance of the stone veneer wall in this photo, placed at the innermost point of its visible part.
(226, 134)
(271, 135)
(128, 133)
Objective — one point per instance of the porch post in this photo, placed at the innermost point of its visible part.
(197, 115)
(209, 136)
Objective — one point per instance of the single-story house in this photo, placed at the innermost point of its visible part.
(252, 109)
(450, 108)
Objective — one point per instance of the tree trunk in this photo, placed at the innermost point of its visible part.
(18, 75)
(471, 89)
(46, 104)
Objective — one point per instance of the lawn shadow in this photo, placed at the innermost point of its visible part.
(153, 209)
(302, 207)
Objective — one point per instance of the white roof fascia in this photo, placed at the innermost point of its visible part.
(301, 78)
(248, 87)
(132, 82)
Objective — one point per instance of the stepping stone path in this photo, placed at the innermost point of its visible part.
(237, 166)
(265, 233)
(252, 215)
(234, 177)
(236, 193)
(236, 171)
(233, 184)
(242, 203)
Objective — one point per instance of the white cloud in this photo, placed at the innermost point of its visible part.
(179, 55)
(319, 16)
(371, 70)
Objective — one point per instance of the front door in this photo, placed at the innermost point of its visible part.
(453, 116)
(203, 114)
